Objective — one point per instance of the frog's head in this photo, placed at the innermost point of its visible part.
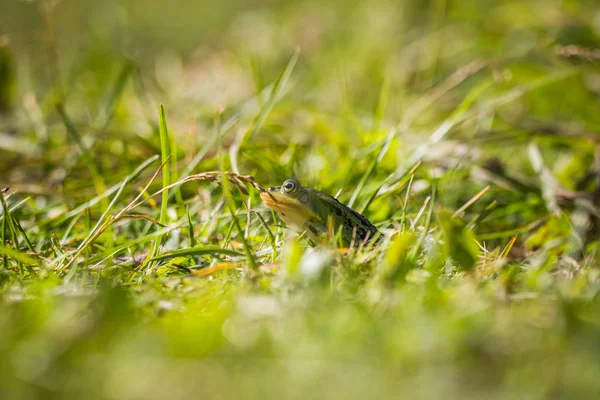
(292, 202)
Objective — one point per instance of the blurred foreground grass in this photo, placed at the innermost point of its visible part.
(466, 131)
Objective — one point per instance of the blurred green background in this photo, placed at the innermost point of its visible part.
(477, 92)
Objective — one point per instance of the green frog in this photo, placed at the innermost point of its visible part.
(315, 213)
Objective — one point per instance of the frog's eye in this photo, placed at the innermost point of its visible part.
(290, 186)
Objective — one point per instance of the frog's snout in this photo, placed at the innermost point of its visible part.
(267, 197)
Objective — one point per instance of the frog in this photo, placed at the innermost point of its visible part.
(316, 214)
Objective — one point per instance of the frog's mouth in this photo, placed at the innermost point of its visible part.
(291, 211)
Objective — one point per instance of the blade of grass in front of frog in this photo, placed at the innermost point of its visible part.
(269, 233)
(231, 205)
(335, 234)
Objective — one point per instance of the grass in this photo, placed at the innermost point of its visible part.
(138, 261)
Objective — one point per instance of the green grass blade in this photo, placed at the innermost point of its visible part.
(276, 93)
(103, 256)
(97, 179)
(269, 233)
(231, 205)
(548, 182)
(23, 233)
(4, 232)
(8, 223)
(197, 251)
(265, 110)
(17, 255)
(104, 215)
(382, 102)
(425, 231)
(115, 95)
(165, 154)
(130, 178)
(221, 132)
(190, 227)
(382, 152)
(458, 115)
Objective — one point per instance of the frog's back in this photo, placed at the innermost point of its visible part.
(354, 225)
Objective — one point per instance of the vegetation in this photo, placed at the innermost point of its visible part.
(467, 132)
